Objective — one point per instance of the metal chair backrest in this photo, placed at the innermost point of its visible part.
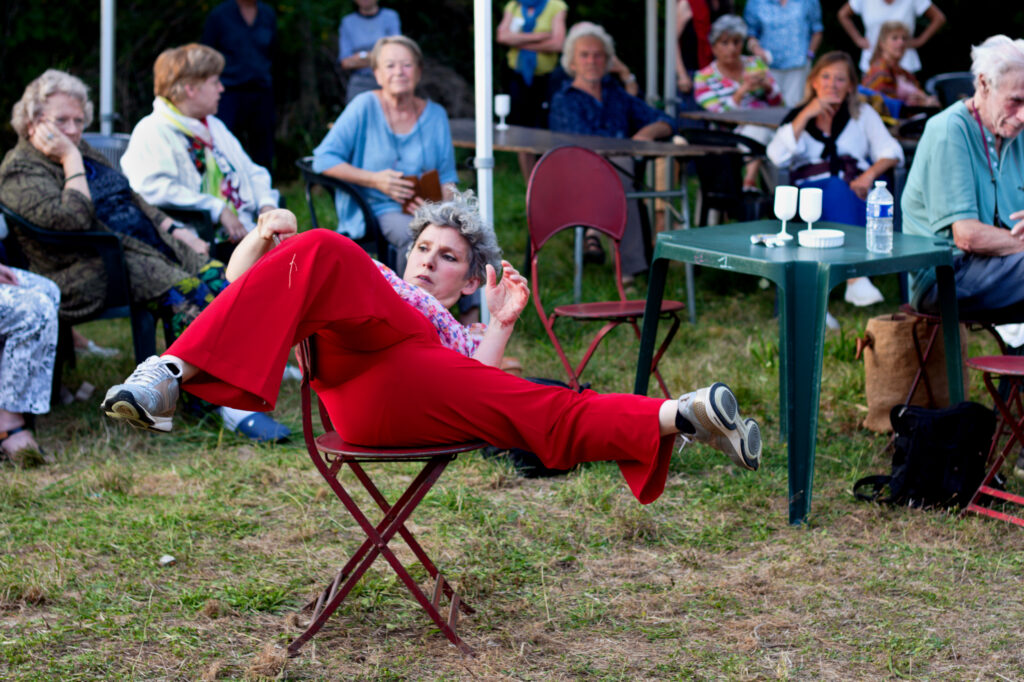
(950, 87)
(107, 246)
(374, 237)
(110, 146)
(574, 187)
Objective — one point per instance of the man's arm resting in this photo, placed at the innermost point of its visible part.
(974, 236)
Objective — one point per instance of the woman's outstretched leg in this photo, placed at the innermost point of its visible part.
(235, 351)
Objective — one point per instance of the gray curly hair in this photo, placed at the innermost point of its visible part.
(53, 82)
(462, 213)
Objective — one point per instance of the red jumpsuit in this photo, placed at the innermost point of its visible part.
(384, 375)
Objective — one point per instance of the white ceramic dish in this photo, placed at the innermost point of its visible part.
(820, 238)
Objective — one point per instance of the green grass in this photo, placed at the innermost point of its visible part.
(571, 578)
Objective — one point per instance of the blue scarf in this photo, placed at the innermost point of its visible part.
(526, 63)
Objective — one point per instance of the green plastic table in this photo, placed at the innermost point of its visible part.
(804, 278)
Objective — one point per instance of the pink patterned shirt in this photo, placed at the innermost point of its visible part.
(452, 334)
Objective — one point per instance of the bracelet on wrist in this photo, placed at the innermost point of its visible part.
(631, 78)
(174, 226)
(80, 174)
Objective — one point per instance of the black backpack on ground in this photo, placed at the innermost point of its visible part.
(938, 457)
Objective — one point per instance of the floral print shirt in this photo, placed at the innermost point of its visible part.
(461, 339)
(714, 91)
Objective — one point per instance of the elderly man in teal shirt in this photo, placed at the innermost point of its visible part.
(967, 184)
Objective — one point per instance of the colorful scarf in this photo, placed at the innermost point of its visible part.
(526, 63)
(220, 179)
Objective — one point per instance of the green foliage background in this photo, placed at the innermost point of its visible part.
(37, 34)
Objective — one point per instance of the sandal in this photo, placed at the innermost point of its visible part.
(593, 252)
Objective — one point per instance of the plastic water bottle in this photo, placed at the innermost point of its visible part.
(879, 219)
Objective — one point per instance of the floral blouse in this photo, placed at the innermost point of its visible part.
(714, 91)
(461, 339)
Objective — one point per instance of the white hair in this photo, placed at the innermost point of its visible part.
(994, 58)
(727, 25)
(581, 30)
(29, 108)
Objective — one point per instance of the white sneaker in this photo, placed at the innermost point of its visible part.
(148, 397)
(714, 415)
(831, 322)
(862, 293)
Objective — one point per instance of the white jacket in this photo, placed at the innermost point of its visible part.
(159, 168)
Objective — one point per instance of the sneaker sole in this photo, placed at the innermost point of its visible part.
(123, 407)
(742, 435)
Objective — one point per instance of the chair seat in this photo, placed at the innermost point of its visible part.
(612, 310)
(332, 444)
(1004, 365)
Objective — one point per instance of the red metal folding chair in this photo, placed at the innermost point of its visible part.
(574, 187)
(1011, 424)
(330, 454)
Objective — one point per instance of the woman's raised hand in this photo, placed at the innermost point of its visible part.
(507, 298)
(279, 222)
(390, 182)
(47, 138)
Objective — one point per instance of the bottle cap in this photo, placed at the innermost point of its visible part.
(879, 183)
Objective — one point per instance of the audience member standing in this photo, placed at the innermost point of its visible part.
(534, 30)
(358, 33)
(785, 34)
(874, 13)
(245, 32)
(693, 51)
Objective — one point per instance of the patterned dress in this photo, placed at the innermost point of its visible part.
(28, 333)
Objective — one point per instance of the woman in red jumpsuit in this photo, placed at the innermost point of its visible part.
(393, 366)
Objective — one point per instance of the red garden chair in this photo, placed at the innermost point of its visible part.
(330, 454)
(574, 187)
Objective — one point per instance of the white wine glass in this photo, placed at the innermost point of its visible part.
(810, 206)
(786, 197)
(502, 108)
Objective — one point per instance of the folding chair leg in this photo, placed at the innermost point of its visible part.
(661, 351)
(1016, 427)
(376, 544)
(410, 540)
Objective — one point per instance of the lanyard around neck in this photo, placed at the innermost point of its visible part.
(988, 161)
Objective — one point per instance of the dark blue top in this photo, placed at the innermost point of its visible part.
(115, 206)
(248, 50)
(618, 114)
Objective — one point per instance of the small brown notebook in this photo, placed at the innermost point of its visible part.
(427, 186)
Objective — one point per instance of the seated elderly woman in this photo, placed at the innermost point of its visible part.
(382, 138)
(57, 181)
(834, 141)
(28, 334)
(386, 368)
(595, 104)
(886, 76)
(734, 81)
(181, 156)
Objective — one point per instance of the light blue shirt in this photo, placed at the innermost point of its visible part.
(358, 33)
(949, 179)
(361, 137)
(785, 31)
